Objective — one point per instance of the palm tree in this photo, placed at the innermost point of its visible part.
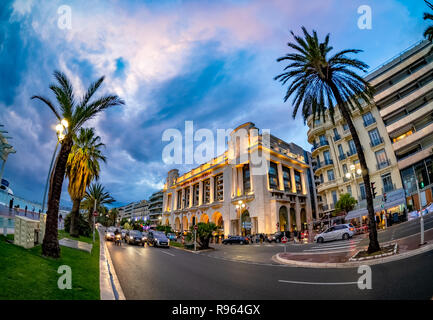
(428, 33)
(82, 167)
(76, 113)
(96, 194)
(318, 82)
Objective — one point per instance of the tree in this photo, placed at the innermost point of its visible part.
(428, 33)
(96, 194)
(164, 228)
(346, 203)
(76, 113)
(82, 167)
(204, 233)
(319, 82)
(113, 213)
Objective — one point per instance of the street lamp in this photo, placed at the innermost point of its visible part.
(239, 206)
(60, 131)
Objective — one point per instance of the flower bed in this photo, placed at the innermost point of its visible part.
(384, 252)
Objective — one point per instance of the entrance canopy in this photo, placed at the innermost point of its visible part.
(394, 198)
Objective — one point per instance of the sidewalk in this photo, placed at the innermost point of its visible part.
(406, 247)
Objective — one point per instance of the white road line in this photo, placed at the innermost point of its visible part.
(319, 283)
(336, 245)
(331, 248)
(170, 254)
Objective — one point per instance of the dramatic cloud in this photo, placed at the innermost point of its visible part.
(171, 61)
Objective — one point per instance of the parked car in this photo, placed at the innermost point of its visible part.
(277, 236)
(341, 231)
(236, 239)
(145, 236)
(172, 237)
(158, 239)
(134, 237)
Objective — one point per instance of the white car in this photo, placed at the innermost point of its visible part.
(338, 232)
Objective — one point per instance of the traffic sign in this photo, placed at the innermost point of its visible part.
(195, 227)
(95, 213)
(284, 239)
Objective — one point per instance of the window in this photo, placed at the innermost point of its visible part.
(273, 176)
(187, 192)
(298, 181)
(179, 199)
(322, 139)
(362, 190)
(349, 190)
(408, 178)
(287, 180)
(375, 137)
(168, 203)
(336, 135)
(246, 178)
(368, 119)
(206, 191)
(421, 175)
(331, 176)
(387, 183)
(334, 197)
(340, 150)
(321, 178)
(402, 136)
(196, 194)
(219, 187)
(345, 126)
(352, 147)
(381, 158)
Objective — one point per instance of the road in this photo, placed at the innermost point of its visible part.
(156, 273)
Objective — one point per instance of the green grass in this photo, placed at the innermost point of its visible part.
(27, 275)
(176, 244)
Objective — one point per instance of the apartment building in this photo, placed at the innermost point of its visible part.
(138, 210)
(228, 191)
(155, 207)
(404, 100)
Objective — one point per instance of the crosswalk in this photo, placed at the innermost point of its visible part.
(334, 247)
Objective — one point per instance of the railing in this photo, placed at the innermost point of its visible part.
(342, 157)
(376, 142)
(383, 164)
(369, 122)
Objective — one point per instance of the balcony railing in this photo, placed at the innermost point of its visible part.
(376, 142)
(369, 121)
(328, 162)
(320, 144)
(383, 164)
(342, 157)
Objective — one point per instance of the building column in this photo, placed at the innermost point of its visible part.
(200, 193)
(212, 189)
(251, 180)
(175, 200)
(182, 204)
(240, 181)
(298, 214)
(280, 176)
(292, 178)
(190, 195)
(304, 182)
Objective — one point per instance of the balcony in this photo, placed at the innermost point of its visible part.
(384, 164)
(321, 144)
(369, 122)
(417, 135)
(341, 157)
(376, 142)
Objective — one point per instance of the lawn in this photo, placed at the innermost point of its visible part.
(25, 274)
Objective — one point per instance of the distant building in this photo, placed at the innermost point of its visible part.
(155, 207)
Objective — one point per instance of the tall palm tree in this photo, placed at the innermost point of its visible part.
(96, 193)
(428, 33)
(318, 82)
(76, 112)
(82, 167)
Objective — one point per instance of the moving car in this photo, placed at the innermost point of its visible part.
(236, 239)
(172, 237)
(157, 239)
(341, 231)
(277, 236)
(134, 237)
(109, 235)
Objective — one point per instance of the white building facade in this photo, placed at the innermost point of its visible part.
(234, 192)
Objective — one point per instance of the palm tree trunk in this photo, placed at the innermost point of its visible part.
(50, 244)
(373, 246)
(75, 213)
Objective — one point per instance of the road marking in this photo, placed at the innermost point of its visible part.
(170, 254)
(319, 283)
(330, 249)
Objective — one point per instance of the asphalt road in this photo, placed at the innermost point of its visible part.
(156, 273)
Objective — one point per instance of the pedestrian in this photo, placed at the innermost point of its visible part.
(60, 221)
(25, 210)
(11, 203)
(295, 235)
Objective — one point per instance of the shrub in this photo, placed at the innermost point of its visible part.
(204, 233)
(83, 227)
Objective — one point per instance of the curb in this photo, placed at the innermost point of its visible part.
(108, 282)
(353, 264)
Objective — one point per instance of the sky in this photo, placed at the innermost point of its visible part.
(210, 62)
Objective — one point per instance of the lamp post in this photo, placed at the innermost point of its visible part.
(350, 175)
(239, 206)
(60, 131)
(421, 218)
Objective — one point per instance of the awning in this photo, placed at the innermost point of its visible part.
(394, 198)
